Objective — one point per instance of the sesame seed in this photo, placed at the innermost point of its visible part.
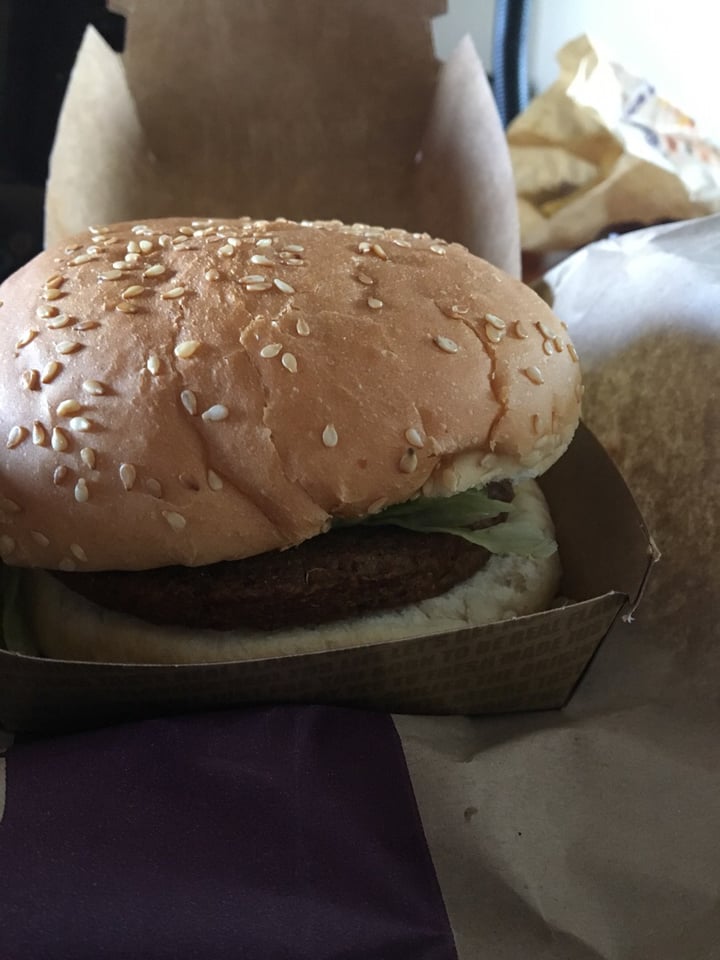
(548, 347)
(153, 364)
(495, 321)
(493, 334)
(79, 260)
(227, 250)
(176, 520)
(9, 506)
(156, 270)
(558, 343)
(189, 401)
(271, 350)
(16, 437)
(39, 434)
(364, 246)
(186, 349)
(257, 287)
(7, 544)
(62, 321)
(233, 241)
(374, 303)
(408, 461)
(264, 242)
(302, 328)
(436, 248)
(283, 286)
(364, 278)
(94, 387)
(40, 539)
(153, 487)
(125, 306)
(81, 424)
(67, 407)
(67, 346)
(413, 436)
(214, 481)
(127, 475)
(401, 243)
(260, 260)
(212, 274)
(545, 330)
(50, 371)
(173, 294)
(53, 294)
(82, 494)
(67, 565)
(130, 293)
(59, 440)
(145, 246)
(186, 231)
(87, 455)
(218, 411)
(30, 379)
(295, 248)
(55, 281)
(254, 278)
(140, 228)
(86, 324)
(165, 240)
(446, 344)
(73, 247)
(59, 475)
(573, 353)
(289, 361)
(44, 313)
(377, 505)
(133, 247)
(329, 436)
(378, 251)
(77, 551)
(101, 230)
(111, 275)
(120, 265)
(520, 330)
(208, 221)
(26, 338)
(132, 258)
(534, 375)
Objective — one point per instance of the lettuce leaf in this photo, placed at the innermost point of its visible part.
(457, 514)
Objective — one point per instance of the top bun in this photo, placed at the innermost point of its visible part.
(193, 391)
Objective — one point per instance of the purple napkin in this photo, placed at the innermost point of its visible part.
(285, 833)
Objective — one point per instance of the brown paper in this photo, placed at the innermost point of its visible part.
(223, 108)
(595, 832)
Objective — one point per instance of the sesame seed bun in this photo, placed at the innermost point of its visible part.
(193, 391)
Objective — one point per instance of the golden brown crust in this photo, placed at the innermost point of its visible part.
(227, 416)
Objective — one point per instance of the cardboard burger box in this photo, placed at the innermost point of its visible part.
(317, 111)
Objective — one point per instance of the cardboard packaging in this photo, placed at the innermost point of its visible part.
(339, 111)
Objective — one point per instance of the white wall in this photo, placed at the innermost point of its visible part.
(675, 44)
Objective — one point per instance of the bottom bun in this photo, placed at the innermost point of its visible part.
(68, 627)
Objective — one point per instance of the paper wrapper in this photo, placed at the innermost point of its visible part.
(595, 833)
(336, 111)
(600, 151)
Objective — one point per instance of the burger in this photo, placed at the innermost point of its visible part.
(230, 439)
